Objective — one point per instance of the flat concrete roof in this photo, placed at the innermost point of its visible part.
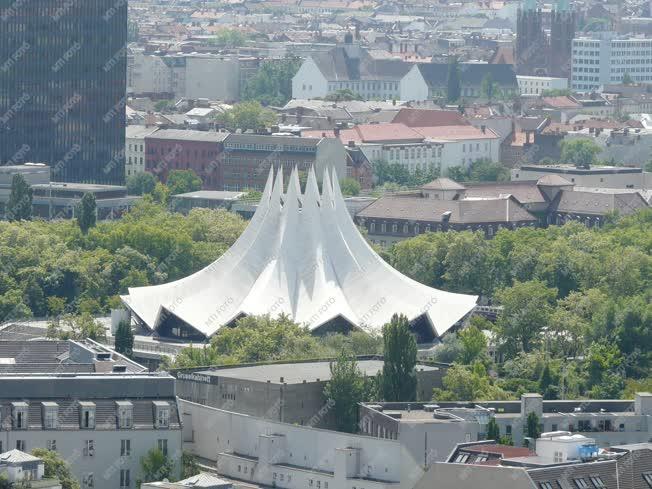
(210, 195)
(295, 373)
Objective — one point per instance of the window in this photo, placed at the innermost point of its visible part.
(125, 478)
(125, 448)
(647, 477)
(545, 485)
(581, 483)
(481, 458)
(163, 446)
(21, 445)
(87, 415)
(461, 458)
(89, 448)
(597, 481)
(584, 425)
(162, 414)
(19, 413)
(51, 445)
(125, 411)
(88, 481)
(50, 415)
(508, 430)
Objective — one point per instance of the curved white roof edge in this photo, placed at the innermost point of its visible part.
(303, 256)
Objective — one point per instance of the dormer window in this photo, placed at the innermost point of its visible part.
(161, 414)
(50, 415)
(125, 414)
(87, 415)
(19, 415)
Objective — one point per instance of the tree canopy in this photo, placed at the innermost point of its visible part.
(345, 390)
(247, 116)
(580, 152)
(272, 83)
(183, 181)
(141, 184)
(56, 467)
(19, 205)
(399, 378)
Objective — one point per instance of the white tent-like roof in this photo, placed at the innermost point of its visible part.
(301, 255)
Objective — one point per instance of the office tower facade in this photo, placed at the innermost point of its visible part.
(62, 87)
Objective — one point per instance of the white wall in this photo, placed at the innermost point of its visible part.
(106, 463)
(413, 86)
(212, 78)
(148, 74)
(215, 431)
(309, 82)
(463, 153)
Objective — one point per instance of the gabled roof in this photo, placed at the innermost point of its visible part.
(598, 203)
(17, 457)
(553, 181)
(429, 118)
(337, 65)
(443, 183)
(436, 74)
(473, 211)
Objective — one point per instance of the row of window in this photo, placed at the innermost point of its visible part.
(89, 447)
(136, 146)
(20, 412)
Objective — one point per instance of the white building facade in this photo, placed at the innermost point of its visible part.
(135, 148)
(537, 85)
(607, 59)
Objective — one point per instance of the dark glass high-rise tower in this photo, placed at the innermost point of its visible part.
(62, 87)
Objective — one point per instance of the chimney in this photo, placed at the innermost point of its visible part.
(323, 134)
(351, 144)
(483, 128)
(336, 132)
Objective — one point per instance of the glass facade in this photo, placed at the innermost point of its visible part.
(63, 85)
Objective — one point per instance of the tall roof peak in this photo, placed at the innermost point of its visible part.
(301, 255)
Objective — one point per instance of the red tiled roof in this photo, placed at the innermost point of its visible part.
(561, 102)
(507, 451)
(455, 133)
(429, 118)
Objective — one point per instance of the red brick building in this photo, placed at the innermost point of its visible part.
(178, 149)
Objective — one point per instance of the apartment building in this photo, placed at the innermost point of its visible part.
(247, 158)
(430, 431)
(99, 410)
(555, 460)
(179, 149)
(135, 148)
(537, 85)
(607, 58)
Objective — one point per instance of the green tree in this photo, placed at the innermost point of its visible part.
(580, 152)
(19, 205)
(399, 380)
(155, 466)
(453, 83)
(493, 431)
(533, 426)
(56, 467)
(350, 187)
(76, 328)
(527, 307)
(485, 170)
(247, 116)
(343, 96)
(463, 383)
(87, 212)
(272, 84)
(345, 390)
(141, 184)
(457, 173)
(164, 106)
(627, 79)
(183, 181)
(488, 87)
(189, 466)
(4, 481)
(124, 339)
(474, 344)
(161, 193)
(230, 38)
